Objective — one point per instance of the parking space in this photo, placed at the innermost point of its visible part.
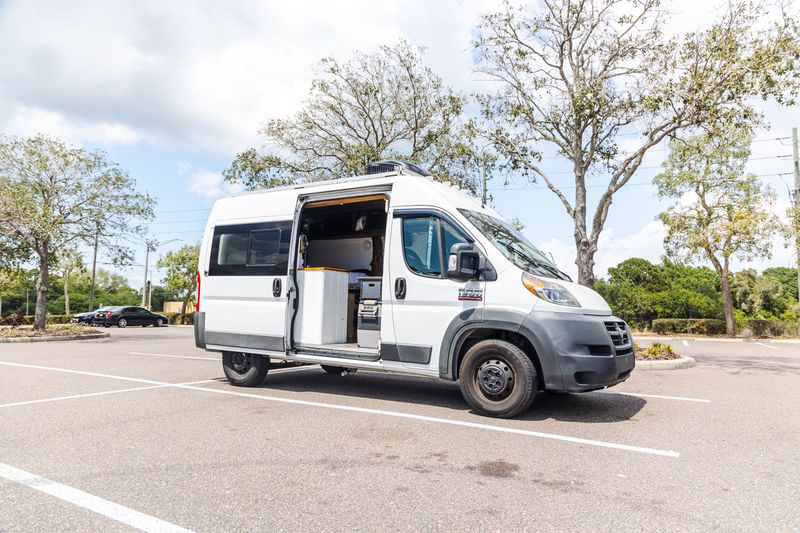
(139, 430)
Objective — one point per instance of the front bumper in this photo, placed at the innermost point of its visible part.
(580, 353)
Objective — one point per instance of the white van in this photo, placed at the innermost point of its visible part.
(395, 272)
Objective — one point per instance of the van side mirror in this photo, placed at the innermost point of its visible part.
(464, 262)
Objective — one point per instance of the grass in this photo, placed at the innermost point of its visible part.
(55, 330)
(655, 352)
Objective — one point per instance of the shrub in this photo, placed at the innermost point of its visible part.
(702, 326)
(58, 319)
(180, 319)
(769, 327)
(656, 351)
(14, 320)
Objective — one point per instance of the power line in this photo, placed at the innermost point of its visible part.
(605, 186)
(183, 210)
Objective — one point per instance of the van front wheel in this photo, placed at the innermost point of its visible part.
(497, 379)
(244, 369)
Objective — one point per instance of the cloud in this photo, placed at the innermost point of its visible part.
(209, 184)
(202, 75)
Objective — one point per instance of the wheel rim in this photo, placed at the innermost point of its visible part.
(159, 322)
(123, 322)
(495, 379)
(241, 362)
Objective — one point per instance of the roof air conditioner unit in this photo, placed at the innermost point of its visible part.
(391, 165)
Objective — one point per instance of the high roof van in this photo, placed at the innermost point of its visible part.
(396, 272)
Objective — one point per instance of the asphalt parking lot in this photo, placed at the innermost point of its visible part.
(140, 431)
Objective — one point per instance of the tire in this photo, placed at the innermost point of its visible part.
(122, 322)
(497, 379)
(244, 369)
(106, 325)
(333, 369)
(159, 323)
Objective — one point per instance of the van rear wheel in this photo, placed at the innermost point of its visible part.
(497, 379)
(245, 369)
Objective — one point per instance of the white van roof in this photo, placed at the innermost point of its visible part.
(279, 203)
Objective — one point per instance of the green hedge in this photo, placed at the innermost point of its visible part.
(701, 326)
(762, 327)
(178, 318)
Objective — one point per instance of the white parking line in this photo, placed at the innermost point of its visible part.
(660, 397)
(766, 345)
(217, 359)
(114, 511)
(445, 421)
(395, 414)
(103, 393)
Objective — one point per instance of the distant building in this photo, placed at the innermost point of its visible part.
(175, 307)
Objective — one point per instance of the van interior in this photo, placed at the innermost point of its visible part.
(339, 262)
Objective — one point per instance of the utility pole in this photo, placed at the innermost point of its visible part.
(26, 302)
(150, 245)
(94, 270)
(144, 285)
(796, 170)
(483, 183)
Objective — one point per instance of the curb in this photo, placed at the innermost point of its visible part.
(55, 338)
(669, 364)
(714, 339)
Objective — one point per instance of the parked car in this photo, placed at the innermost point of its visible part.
(128, 316)
(87, 317)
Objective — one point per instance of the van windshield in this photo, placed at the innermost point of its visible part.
(513, 245)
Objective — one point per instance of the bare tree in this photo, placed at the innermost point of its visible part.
(577, 75)
(386, 104)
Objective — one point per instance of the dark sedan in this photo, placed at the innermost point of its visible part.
(86, 318)
(128, 316)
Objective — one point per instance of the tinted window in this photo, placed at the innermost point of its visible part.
(421, 245)
(265, 247)
(251, 249)
(451, 236)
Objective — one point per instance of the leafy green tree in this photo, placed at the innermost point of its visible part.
(53, 195)
(787, 277)
(181, 271)
(727, 214)
(383, 105)
(578, 75)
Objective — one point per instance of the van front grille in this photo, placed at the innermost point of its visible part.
(618, 333)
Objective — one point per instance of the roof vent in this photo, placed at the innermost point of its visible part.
(391, 165)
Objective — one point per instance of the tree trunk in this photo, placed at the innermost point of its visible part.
(66, 292)
(585, 263)
(185, 302)
(41, 290)
(727, 302)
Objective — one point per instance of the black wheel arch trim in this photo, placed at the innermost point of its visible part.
(467, 321)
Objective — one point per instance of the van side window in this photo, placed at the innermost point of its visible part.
(422, 236)
(251, 249)
(451, 236)
(265, 247)
(421, 245)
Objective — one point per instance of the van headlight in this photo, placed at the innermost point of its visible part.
(549, 291)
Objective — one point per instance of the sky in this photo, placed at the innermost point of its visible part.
(171, 91)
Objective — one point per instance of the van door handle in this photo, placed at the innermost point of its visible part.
(276, 287)
(400, 288)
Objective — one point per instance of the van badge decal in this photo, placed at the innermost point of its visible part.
(470, 294)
